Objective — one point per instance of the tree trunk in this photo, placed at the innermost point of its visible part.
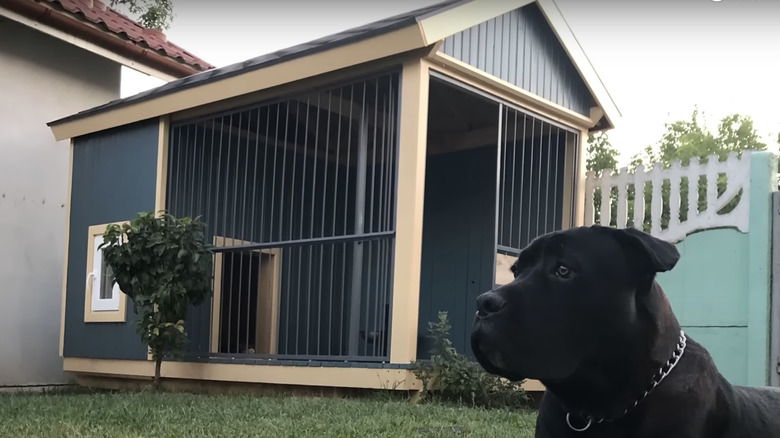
(157, 366)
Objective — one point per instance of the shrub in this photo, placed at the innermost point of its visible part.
(163, 265)
(453, 378)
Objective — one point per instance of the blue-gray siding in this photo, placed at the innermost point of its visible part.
(521, 48)
(113, 179)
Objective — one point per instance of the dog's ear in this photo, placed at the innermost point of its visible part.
(660, 255)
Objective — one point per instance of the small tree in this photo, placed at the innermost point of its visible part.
(163, 265)
(153, 14)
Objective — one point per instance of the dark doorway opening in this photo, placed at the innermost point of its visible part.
(459, 216)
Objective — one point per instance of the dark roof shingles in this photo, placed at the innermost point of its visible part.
(348, 36)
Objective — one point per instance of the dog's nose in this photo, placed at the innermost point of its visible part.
(489, 302)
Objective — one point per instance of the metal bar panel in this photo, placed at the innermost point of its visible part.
(357, 257)
(296, 234)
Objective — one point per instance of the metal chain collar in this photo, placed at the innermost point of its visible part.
(657, 378)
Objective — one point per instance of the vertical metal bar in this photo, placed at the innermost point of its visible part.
(346, 209)
(357, 256)
(530, 179)
(309, 292)
(284, 168)
(227, 185)
(218, 207)
(503, 113)
(389, 161)
(539, 180)
(194, 151)
(235, 177)
(201, 172)
(242, 232)
(389, 213)
(212, 231)
(244, 212)
(300, 228)
(264, 174)
(273, 176)
(333, 223)
(173, 172)
(323, 209)
(574, 172)
(294, 168)
(210, 186)
(547, 181)
(383, 162)
(288, 281)
(520, 224)
(496, 209)
(555, 178)
(372, 195)
(178, 173)
(236, 132)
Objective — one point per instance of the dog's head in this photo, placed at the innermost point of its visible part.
(574, 292)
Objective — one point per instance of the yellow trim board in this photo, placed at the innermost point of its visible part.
(118, 315)
(370, 378)
(495, 86)
(391, 43)
(580, 60)
(63, 298)
(412, 148)
(161, 184)
(333, 377)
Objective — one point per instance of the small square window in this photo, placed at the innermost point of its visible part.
(104, 301)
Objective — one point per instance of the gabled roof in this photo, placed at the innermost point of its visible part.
(96, 23)
(428, 26)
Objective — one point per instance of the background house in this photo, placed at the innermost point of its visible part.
(57, 57)
(354, 186)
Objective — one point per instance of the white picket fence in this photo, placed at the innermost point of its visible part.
(737, 173)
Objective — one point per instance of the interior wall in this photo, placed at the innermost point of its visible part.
(459, 213)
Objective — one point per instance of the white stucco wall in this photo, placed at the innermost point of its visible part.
(41, 79)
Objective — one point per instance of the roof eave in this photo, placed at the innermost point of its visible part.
(426, 31)
(568, 40)
(60, 25)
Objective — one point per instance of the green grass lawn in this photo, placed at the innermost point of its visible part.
(113, 415)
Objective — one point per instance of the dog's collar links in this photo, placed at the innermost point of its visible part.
(658, 377)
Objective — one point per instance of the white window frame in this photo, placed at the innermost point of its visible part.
(95, 278)
(98, 309)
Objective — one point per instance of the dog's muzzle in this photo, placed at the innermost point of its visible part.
(489, 303)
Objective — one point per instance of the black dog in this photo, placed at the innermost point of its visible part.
(585, 316)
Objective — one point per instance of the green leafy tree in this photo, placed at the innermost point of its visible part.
(686, 139)
(163, 265)
(600, 156)
(152, 14)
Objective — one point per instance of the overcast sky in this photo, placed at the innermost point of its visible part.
(657, 58)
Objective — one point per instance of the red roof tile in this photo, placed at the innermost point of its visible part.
(97, 14)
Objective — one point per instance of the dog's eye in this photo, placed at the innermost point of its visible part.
(563, 271)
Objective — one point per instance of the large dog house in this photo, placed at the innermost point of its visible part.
(354, 186)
